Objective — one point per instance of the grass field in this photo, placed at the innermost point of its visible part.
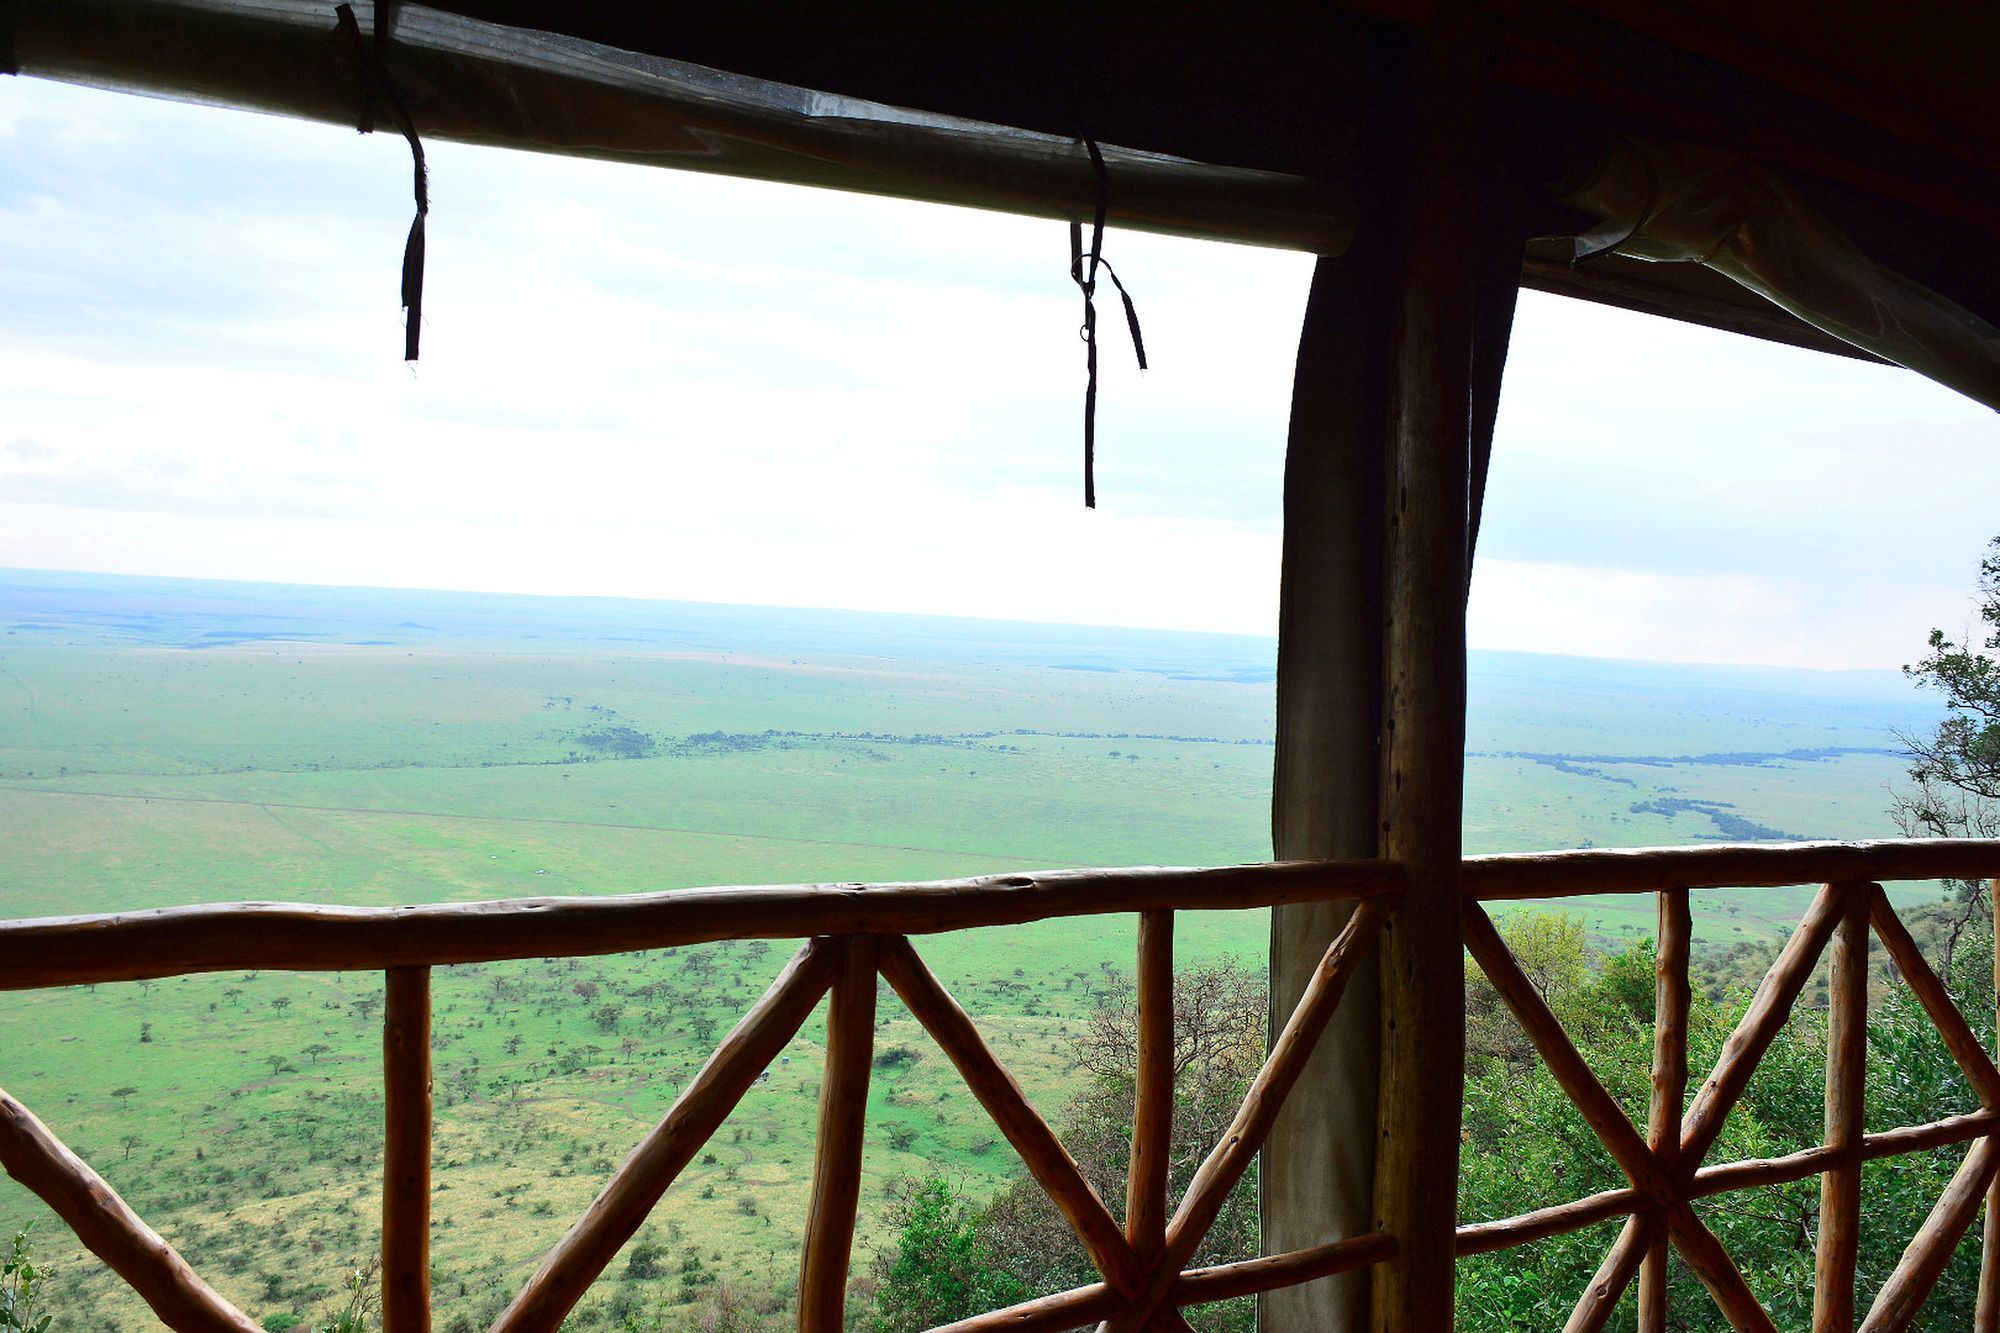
(166, 742)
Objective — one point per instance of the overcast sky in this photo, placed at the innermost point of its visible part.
(657, 384)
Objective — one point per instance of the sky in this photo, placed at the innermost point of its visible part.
(651, 383)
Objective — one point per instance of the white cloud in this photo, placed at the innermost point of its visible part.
(656, 384)
(1801, 621)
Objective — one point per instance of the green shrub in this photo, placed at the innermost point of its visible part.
(21, 1285)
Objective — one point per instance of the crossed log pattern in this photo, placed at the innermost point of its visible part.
(1143, 1262)
(1664, 1164)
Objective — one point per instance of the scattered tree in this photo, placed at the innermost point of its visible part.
(1955, 769)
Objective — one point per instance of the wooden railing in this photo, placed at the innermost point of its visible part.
(857, 933)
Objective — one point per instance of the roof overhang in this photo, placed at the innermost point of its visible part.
(1266, 127)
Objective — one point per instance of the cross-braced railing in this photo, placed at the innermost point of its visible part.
(855, 934)
(1665, 1164)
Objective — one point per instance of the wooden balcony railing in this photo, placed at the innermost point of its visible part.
(855, 933)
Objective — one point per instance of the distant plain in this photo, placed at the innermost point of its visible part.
(166, 742)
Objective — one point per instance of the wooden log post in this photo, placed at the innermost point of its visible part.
(843, 1111)
(1846, 1127)
(1429, 398)
(1986, 1315)
(406, 1151)
(1153, 1113)
(1238, 1147)
(1671, 995)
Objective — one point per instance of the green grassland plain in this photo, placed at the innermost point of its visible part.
(166, 742)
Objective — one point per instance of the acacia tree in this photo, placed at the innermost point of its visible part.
(1955, 769)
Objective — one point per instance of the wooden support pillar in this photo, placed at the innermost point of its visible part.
(1846, 1059)
(1392, 411)
(406, 1151)
(843, 1109)
(1153, 1114)
(1986, 1315)
(1671, 999)
(1443, 231)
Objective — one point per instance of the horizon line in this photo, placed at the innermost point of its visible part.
(1271, 638)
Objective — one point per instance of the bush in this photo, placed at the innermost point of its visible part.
(21, 1290)
(357, 1315)
(645, 1262)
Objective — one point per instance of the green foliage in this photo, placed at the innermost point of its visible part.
(1955, 768)
(953, 1259)
(1625, 982)
(646, 1261)
(941, 1269)
(21, 1290)
(1958, 768)
(1552, 949)
(1526, 1147)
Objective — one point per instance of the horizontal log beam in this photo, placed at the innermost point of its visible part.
(1522, 875)
(1937, 1134)
(1078, 1307)
(513, 87)
(109, 1229)
(1556, 1220)
(1198, 1286)
(1723, 1178)
(228, 937)
(1247, 1277)
(1759, 1172)
(222, 937)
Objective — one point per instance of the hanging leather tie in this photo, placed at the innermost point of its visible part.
(1083, 266)
(371, 67)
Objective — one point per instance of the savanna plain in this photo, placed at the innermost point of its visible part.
(166, 742)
